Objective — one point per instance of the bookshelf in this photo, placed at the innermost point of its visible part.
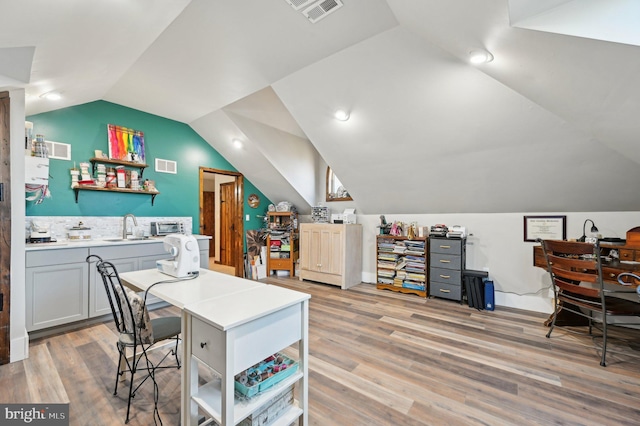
(282, 242)
(401, 264)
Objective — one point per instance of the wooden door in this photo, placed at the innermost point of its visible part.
(5, 228)
(209, 219)
(227, 215)
(230, 233)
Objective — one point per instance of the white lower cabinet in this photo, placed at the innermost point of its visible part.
(125, 259)
(62, 288)
(56, 289)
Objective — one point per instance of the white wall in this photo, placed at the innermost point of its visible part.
(18, 333)
(496, 244)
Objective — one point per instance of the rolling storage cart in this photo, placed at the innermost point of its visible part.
(446, 262)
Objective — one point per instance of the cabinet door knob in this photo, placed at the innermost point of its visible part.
(203, 344)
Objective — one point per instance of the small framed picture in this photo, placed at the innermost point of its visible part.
(545, 227)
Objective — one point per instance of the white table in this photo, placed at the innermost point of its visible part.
(230, 324)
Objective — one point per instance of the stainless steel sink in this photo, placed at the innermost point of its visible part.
(115, 240)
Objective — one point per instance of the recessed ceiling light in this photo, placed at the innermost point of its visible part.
(237, 143)
(51, 96)
(342, 115)
(480, 56)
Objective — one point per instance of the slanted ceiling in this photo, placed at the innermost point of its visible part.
(551, 125)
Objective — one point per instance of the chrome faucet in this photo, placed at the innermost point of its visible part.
(124, 224)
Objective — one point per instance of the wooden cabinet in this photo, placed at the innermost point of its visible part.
(401, 264)
(446, 263)
(282, 241)
(331, 253)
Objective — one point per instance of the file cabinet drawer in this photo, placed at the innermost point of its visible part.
(445, 275)
(445, 291)
(446, 246)
(445, 261)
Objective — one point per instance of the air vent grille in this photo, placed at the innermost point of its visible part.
(315, 10)
(166, 166)
(300, 4)
(321, 9)
(58, 150)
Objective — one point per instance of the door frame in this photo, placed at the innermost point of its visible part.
(5, 228)
(237, 222)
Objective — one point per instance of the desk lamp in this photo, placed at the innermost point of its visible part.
(594, 229)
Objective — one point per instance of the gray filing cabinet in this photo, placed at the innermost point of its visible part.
(446, 263)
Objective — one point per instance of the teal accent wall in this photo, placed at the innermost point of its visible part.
(84, 127)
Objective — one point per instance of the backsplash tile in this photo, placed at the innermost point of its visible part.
(101, 226)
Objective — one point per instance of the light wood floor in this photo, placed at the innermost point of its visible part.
(378, 358)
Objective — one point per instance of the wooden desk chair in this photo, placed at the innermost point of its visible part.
(138, 332)
(576, 274)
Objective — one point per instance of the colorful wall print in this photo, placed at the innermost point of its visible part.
(125, 144)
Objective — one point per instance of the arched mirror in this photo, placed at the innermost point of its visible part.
(335, 190)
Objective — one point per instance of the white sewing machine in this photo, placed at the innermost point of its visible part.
(186, 256)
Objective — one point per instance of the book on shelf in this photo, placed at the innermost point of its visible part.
(401, 264)
(414, 285)
(386, 273)
(416, 277)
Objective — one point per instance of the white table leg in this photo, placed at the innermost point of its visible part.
(228, 395)
(303, 348)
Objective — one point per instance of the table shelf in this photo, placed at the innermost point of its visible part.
(209, 399)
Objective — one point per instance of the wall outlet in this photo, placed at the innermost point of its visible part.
(247, 218)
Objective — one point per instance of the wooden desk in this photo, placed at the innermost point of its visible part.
(629, 261)
(610, 272)
(230, 324)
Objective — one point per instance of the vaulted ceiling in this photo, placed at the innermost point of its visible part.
(550, 125)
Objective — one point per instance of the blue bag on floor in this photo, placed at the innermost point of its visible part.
(489, 296)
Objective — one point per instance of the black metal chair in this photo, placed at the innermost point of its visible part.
(576, 273)
(138, 332)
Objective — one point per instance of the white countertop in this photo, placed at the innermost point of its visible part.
(181, 292)
(227, 311)
(111, 241)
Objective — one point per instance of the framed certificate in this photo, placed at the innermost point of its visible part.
(545, 227)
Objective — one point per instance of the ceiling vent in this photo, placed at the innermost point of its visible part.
(315, 10)
(300, 4)
(321, 9)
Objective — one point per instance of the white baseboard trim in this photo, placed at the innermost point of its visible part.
(19, 348)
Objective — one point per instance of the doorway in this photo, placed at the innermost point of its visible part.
(221, 212)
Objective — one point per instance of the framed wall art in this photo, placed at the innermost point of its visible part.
(125, 144)
(545, 228)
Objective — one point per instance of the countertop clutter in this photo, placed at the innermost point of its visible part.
(100, 242)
